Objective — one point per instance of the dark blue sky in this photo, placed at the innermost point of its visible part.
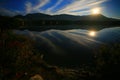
(110, 8)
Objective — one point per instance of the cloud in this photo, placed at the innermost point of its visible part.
(30, 8)
(75, 7)
(41, 4)
(86, 12)
(6, 12)
(80, 5)
(54, 6)
(88, 6)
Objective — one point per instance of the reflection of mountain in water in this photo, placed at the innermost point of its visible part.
(71, 46)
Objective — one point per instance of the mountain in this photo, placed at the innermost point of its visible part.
(39, 19)
(40, 16)
(41, 22)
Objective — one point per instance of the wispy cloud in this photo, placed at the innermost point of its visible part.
(30, 8)
(73, 7)
(54, 6)
(88, 5)
(80, 5)
(6, 12)
(41, 4)
(86, 12)
(77, 7)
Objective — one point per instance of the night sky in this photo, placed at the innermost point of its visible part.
(110, 8)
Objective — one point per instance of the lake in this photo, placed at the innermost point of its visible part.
(71, 46)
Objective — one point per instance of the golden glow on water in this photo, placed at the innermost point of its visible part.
(92, 33)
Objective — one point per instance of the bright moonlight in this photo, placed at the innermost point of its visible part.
(92, 33)
(95, 11)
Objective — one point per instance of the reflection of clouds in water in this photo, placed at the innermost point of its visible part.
(81, 37)
(58, 40)
(77, 30)
(25, 32)
(52, 33)
(43, 39)
(53, 37)
(50, 44)
(70, 46)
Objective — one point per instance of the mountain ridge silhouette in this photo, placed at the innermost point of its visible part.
(40, 16)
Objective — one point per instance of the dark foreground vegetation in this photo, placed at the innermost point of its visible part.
(19, 60)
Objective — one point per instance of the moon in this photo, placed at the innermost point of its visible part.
(95, 11)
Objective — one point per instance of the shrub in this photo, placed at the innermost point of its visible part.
(108, 60)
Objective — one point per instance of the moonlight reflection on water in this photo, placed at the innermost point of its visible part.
(92, 33)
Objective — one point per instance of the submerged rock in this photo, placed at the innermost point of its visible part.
(36, 77)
